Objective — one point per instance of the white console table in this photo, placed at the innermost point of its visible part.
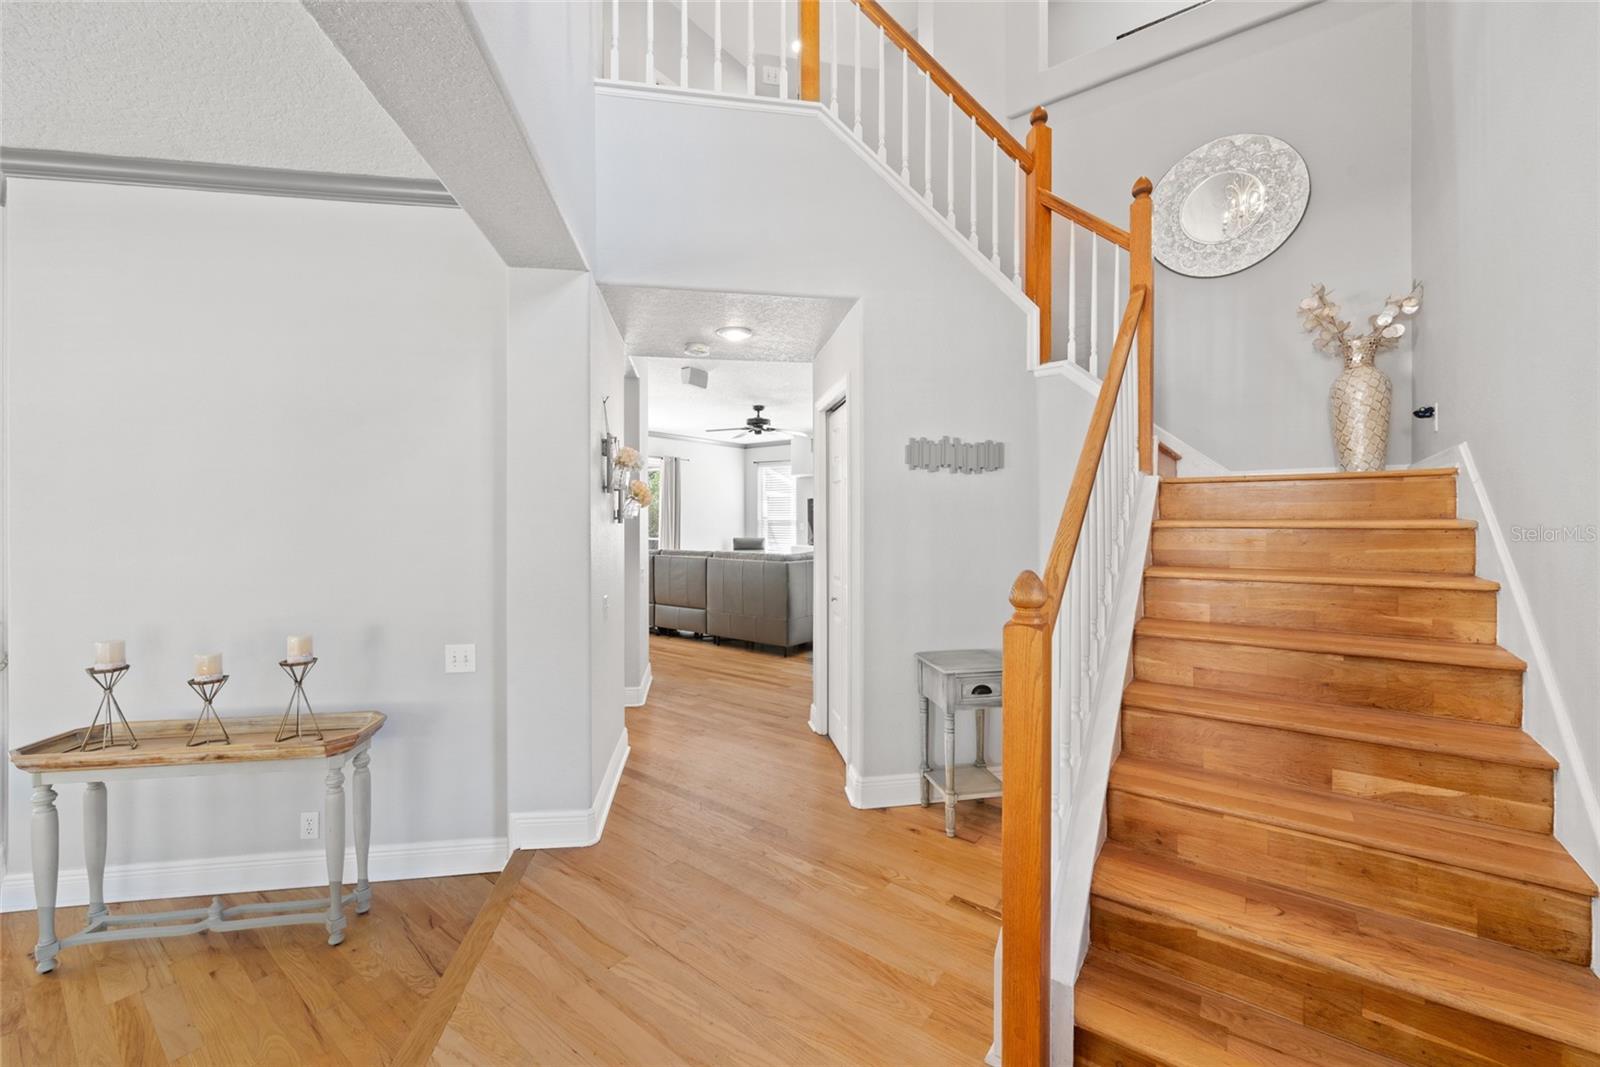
(162, 753)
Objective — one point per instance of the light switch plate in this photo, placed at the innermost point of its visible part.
(460, 659)
(769, 74)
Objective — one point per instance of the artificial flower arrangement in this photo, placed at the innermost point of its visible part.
(628, 459)
(1320, 315)
(639, 497)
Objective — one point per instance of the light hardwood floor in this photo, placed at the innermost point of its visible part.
(738, 910)
(270, 996)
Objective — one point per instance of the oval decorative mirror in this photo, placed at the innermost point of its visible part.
(1229, 204)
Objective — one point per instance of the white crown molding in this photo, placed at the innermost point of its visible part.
(260, 872)
(571, 827)
(55, 165)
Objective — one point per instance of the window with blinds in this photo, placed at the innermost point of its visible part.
(775, 503)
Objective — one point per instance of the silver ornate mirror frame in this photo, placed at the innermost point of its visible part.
(1244, 194)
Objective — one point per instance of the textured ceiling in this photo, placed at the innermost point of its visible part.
(726, 401)
(253, 84)
(659, 322)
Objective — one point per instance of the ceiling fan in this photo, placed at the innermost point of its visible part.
(758, 425)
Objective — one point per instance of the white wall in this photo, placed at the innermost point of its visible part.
(237, 417)
(1236, 376)
(711, 491)
(636, 550)
(943, 350)
(1506, 341)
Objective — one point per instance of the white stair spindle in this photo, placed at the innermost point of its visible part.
(616, 29)
(905, 117)
(783, 50)
(927, 138)
(994, 203)
(950, 165)
(972, 183)
(859, 19)
(1116, 282)
(1094, 306)
(649, 42)
(683, 41)
(883, 127)
(716, 44)
(1072, 293)
(833, 50)
(1018, 221)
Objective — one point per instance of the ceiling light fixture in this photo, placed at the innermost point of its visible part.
(735, 333)
(696, 348)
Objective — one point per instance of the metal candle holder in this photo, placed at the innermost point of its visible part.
(297, 670)
(208, 689)
(107, 678)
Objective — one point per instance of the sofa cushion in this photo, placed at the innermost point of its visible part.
(749, 544)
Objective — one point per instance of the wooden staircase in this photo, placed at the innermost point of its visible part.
(1329, 840)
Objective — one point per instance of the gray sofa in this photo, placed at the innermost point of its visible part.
(760, 597)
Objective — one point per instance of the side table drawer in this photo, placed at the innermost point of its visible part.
(979, 691)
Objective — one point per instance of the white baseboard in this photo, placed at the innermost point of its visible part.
(816, 726)
(634, 696)
(571, 827)
(883, 790)
(259, 872)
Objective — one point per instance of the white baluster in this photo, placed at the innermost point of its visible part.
(649, 42)
(883, 127)
(716, 43)
(859, 19)
(950, 165)
(994, 203)
(616, 51)
(683, 38)
(1116, 284)
(927, 138)
(1018, 221)
(1094, 305)
(1072, 293)
(833, 50)
(783, 50)
(972, 183)
(905, 117)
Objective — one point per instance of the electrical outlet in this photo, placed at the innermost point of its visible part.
(460, 659)
(309, 828)
(769, 74)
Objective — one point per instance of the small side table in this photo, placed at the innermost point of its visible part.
(953, 680)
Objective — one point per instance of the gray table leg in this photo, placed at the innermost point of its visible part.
(950, 772)
(94, 851)
(333, 831)
(361, 805)
(923, 779)
(46, 863)
(983, 734)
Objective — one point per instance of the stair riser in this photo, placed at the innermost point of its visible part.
(1507, 795)
(1364, 498)
(1376, 1017)
(1446, 551)
(1474, 694)
(1535, 918)
(1436, 614)
(1092, 1050)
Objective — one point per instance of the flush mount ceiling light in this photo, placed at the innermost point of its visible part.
(697, 348)
(735, 333)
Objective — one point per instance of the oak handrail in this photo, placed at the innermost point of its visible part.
(908, 44)
(1089, 221)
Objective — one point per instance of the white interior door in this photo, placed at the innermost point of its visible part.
(838, 542)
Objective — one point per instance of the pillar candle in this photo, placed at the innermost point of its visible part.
(299, 646)
(110, 653)
(208, 664)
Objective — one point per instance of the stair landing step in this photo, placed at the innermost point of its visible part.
(1134, 1006)
(1537, 859)
(1560, 1002)
(1410, 649)
(1396, 729)
(1310, 476)
(1315, 524)
(1386, 579)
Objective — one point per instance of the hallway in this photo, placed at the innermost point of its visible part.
(737, 909)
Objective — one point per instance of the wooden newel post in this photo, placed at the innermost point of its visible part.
(1036, 273)
(1025, 831)
(811, 49)
(1141, 271)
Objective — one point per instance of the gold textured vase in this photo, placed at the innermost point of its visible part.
(1359, 405)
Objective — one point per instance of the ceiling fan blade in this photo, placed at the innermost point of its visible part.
(728, 429)
(789, 430)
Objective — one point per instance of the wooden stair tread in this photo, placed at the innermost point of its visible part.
(1415, 650)
(1397, 729)
(1560, 1002)
(1514, 854)
(1397, 579)
(1315, 476)
(1178, 1023)
(1315, 524)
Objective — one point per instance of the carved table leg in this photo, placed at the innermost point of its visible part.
(950, 772)
(46, 861)
(361, 804)
(983, 734)
(923, 780)
(94, 851)
(333, 829)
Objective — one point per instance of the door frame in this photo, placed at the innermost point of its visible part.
(827, 399)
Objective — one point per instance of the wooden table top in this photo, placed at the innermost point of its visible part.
(162, 743)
